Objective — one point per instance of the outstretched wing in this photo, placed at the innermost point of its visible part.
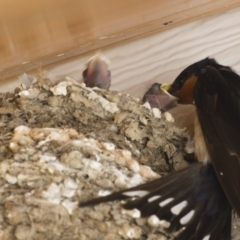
(217, 99)
(190, 199)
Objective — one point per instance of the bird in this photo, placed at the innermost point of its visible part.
(97, 73)
(158, 97)
(197, 201)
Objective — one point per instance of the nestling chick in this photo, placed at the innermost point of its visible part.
(158, 97)
(96, 73)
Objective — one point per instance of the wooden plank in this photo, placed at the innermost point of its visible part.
(38, 33)
(136, 64)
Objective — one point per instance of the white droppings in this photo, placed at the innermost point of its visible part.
(147, 105)
(58, 166)
(22, 177)
(151, 199)
(55, 135)
(24, 93)
(179, 207)
(47, 157)
(103, 193)
(169, 117)
(108, 106)
(134, 213)
(164, 223)
(31, 93)
(69, 205)
(95, 165)
(139, 193)
(13, 146)
(126, 154)
(109, 146)
(10, 179)
(156, 113)
(187, 217)
(165, 202)
(22, 130)
(66, 192)
(133, 165)
(60, 89)
(69, 183)
(131, 233)
(53, 193)
(206, 237)
(135, 180)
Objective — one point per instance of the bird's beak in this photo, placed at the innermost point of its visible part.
(166, 87)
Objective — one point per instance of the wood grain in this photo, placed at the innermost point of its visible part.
(135, 65)
(44, 32)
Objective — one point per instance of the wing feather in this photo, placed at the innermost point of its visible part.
(217, 99)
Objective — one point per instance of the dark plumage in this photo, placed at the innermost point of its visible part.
(217, 97)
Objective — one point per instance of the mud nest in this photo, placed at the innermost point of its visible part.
(61, 143)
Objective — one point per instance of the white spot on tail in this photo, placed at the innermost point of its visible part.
(139, 193)
(206, 237)
(179, 207)
(221, 173)
(187, 217)
(151, 199)
(165, 202)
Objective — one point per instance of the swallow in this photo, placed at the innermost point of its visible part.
(158, 97)
(197, 201)
(97, 73)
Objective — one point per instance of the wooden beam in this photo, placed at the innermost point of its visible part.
(39, 33)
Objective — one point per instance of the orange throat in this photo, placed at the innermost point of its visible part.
(185, 94)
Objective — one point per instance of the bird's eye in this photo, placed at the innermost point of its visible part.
(182, 80)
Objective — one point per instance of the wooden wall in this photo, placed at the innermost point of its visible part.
(159, 57)
(38, 33)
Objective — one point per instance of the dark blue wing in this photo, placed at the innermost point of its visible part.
(217, 99)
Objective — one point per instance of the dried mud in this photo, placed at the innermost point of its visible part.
(61, 143)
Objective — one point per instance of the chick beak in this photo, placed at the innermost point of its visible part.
(166, 86)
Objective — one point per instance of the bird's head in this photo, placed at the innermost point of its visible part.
(182, 87)
(97, 73)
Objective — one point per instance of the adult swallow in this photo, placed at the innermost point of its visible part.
(97, 73)
(198, 200)
(158, 97)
